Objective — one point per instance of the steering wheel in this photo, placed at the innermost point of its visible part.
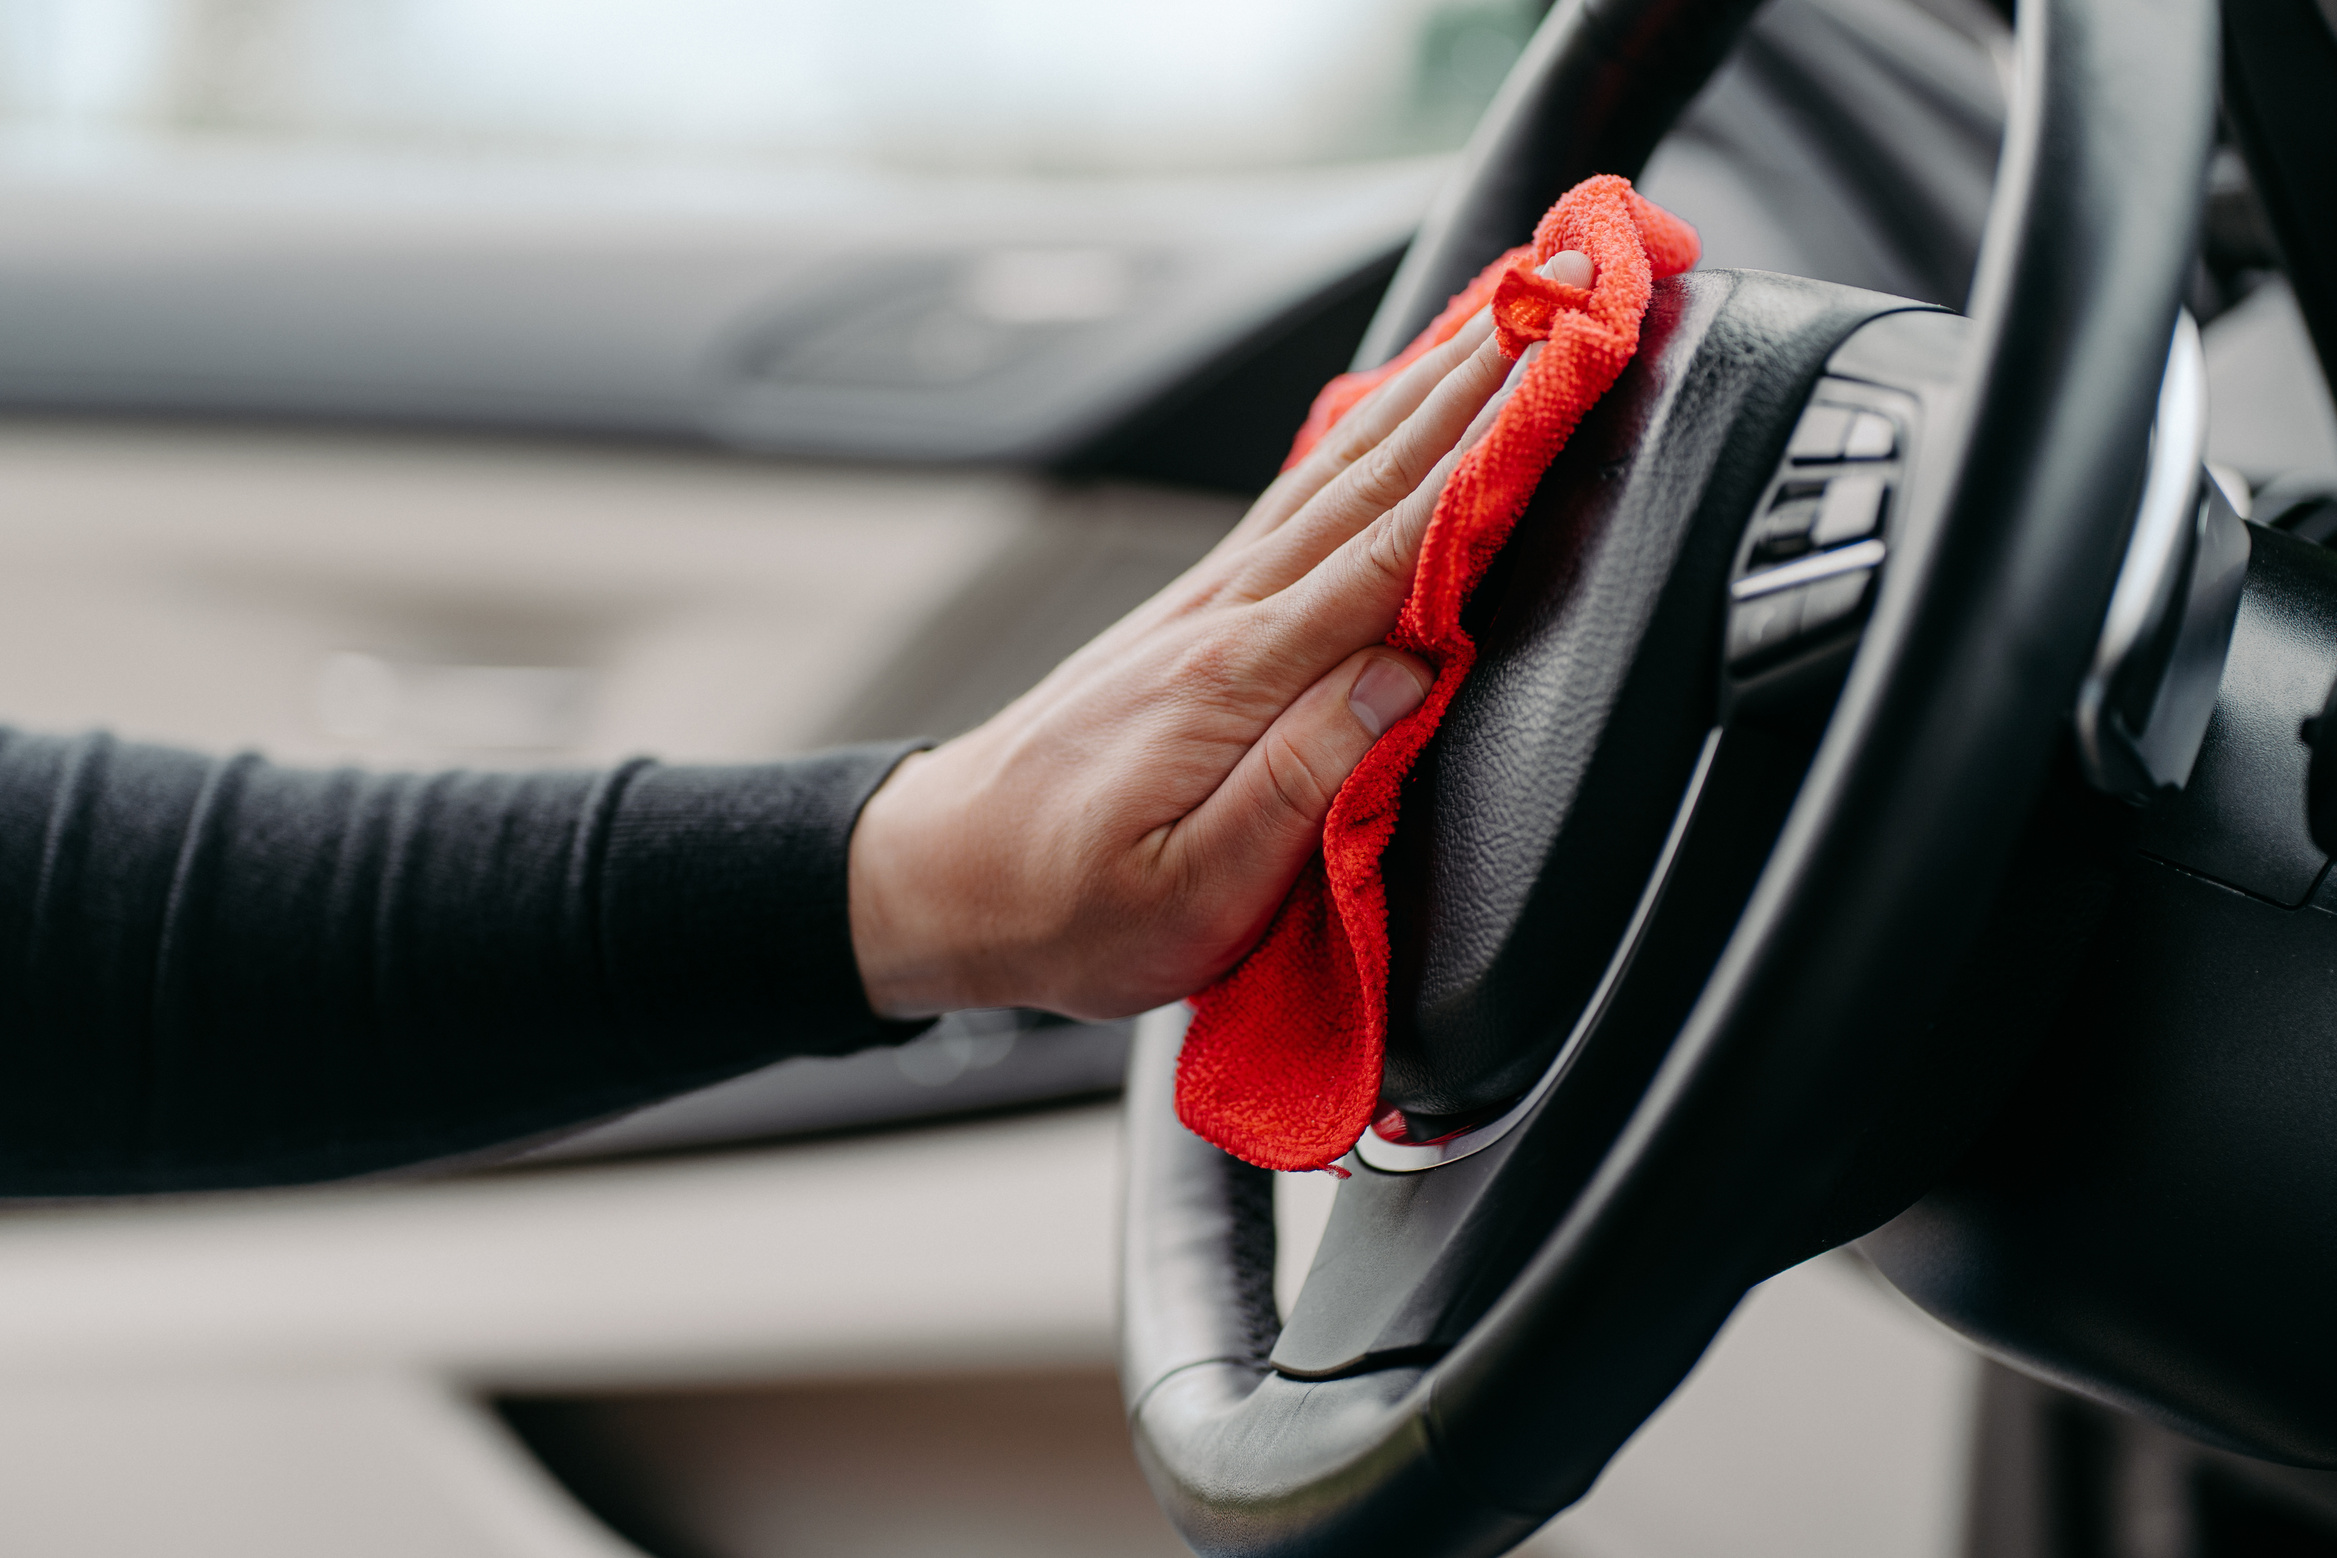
(1771, 681)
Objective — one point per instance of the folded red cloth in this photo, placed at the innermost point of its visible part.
(1281, 1065)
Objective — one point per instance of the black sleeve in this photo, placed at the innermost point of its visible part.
(220, 973)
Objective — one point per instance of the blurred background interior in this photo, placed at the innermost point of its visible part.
(502, 382)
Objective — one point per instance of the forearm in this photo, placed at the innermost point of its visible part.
(231, 973)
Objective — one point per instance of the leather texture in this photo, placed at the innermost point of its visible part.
(1943, 734)
(1284, 1059)
(1237, 1453)
(1527, 838)
(1807, 1025)
(1197, 1251)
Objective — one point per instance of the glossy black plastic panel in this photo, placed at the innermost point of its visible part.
(2151, 1223)
(2241, 819)
(2151, 1220)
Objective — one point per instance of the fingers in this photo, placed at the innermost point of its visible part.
(1390, 472)
(1350, 551)
(1236, 571)
(1353, 596)
(1571, 267)
(1361, 430)
(1354, 473)
(1356, 433)
(1383, 469)
(1257, 830)
(1350, 599)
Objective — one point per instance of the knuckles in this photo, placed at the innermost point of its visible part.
(1104, 903)
(1383, 477)
(1302, 780)
(1227, 669)
(1384, 554)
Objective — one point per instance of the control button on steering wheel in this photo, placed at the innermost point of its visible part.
(1768, 680)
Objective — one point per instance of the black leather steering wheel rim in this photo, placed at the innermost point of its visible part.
(1753, 1142)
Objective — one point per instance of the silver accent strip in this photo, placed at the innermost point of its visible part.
(2188, 555)
(1391, 1157)
(1808, 570)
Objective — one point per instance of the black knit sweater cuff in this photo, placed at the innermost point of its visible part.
(725, 920)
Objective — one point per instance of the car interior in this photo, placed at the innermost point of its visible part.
(1859, 1055)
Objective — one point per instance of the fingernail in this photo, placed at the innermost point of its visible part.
(1570, 267)
(1517, 370)
(1384, 694)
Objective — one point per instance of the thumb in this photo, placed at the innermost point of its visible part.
(1250, 839)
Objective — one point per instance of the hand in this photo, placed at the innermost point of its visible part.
(1122, 833)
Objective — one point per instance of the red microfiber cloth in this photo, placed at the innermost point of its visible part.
(1281, 1066)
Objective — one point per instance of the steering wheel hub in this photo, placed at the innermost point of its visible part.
(1529, 836)
(1769, 680)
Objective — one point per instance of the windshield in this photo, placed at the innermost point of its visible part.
(992, 86)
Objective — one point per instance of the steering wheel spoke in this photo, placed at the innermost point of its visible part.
(1768, 681)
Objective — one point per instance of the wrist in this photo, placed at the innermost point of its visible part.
(907, 944)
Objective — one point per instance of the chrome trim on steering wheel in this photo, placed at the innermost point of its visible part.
(2172, 609)
(1393, 1157)
(1808, 570)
